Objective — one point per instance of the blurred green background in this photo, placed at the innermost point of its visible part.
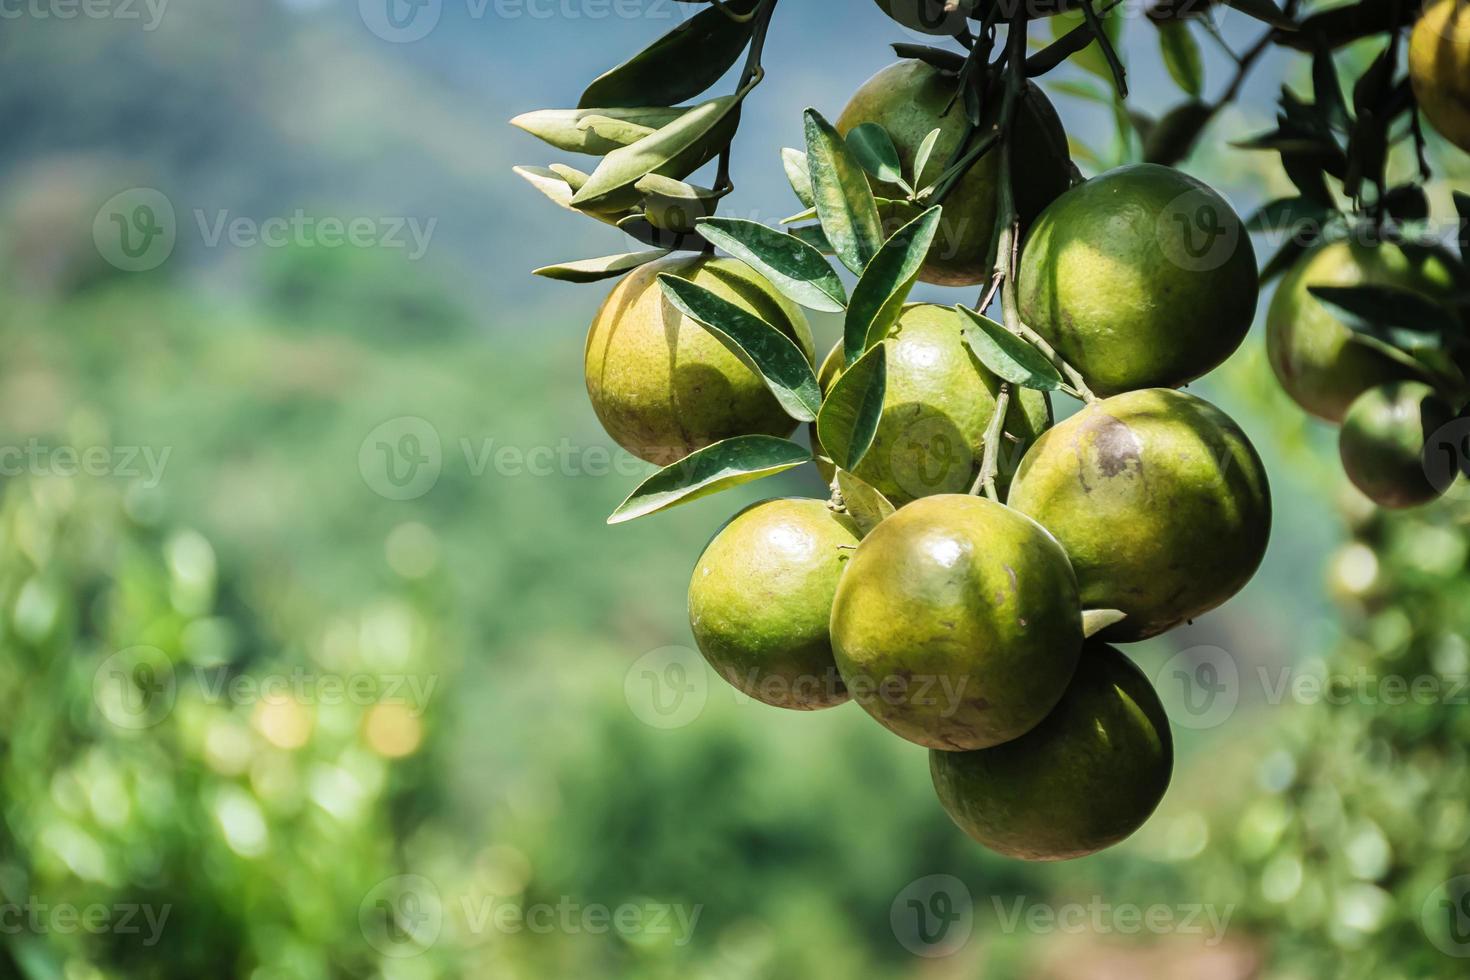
(318, 660)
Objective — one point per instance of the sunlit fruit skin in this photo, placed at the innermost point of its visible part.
(1160, 501)
(664, 386)
(957, 624)
(1142, 277)
(1383, 438)
(1439, 68)
(938, 403)
(760, 601)
(1083, 780)
(1312, 353)
(909, 100)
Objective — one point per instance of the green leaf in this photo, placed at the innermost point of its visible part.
(925, 151)
(680, 65)
(843, 200)
(1182, 56)
(1007, 356)
(554, 184)
(1287, 214)
(1462, 207)
(595, 270)
(875, 151)
(800, 178)
(1407, 202)
(865, 505)
(780, 363)
(577, 131)
(1327, 88)
(878, 297)
(814, 236)
(945, 60)
(684, 143)
(674, 205)
(1400, 317)
(1094, 621)
(1264, 11)
(849, 417)
(797, 269)
(709, 470)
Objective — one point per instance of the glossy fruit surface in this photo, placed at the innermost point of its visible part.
(1084, 779)
(760, 601)
(1383, 440)
(1439, 68)
(1142, 277)
(956, 624)
(1160, 501)
(664, 386)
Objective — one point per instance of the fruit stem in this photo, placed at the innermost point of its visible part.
(985, 480)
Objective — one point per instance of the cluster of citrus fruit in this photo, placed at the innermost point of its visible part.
(1369, 331)
(976, 628)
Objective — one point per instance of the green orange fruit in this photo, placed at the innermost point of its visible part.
(1083, 780)
(1142, 277)
(1439, 68)
(910, 100)
(1160, 501)
(956, 624)
(1383, 440)
(664, 386)
(938, 403)
(760, 601)
(1314, 354)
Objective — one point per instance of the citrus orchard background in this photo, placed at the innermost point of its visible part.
(341, 508)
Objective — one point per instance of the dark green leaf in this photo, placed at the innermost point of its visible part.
(813, 236)
(1175, 135)
(780, 363)
(595, 270)
(850, 414)
(709, 470)
(1327, 88)
(1007, 356)
(941, 58)
(1462, 206)
(680, 65)
(878, 297)
(797, 269)
(1286, 215)
(1401, 317)
(844, 202)
(875, 151)
(865, 505)
(1182, 56)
